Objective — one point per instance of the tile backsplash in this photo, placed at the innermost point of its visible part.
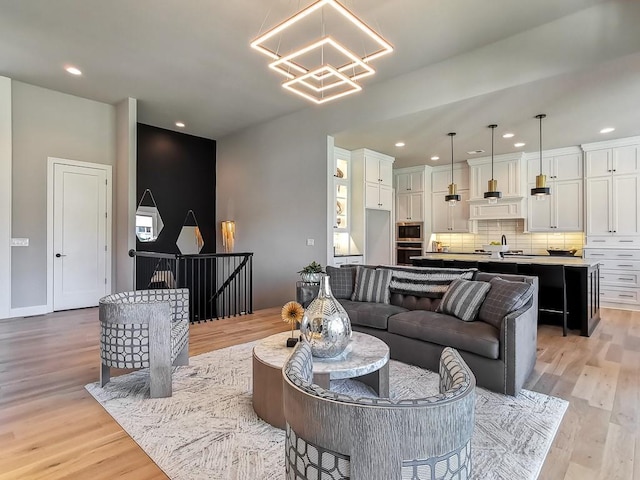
(517, 239)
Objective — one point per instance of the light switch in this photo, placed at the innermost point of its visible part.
(19, 242)
(310, 242)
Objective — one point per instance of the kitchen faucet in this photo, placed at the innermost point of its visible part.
(504, 240)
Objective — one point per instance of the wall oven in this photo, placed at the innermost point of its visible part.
(406, 250)
(409, 232)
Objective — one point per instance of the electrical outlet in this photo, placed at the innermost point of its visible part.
(310, 242)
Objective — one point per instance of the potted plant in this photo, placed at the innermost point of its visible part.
(311, 273)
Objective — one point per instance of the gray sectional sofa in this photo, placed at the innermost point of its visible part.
(499, 345)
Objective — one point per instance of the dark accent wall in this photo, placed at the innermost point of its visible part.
(180, 171)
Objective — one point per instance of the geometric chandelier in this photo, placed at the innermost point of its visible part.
(318, 66)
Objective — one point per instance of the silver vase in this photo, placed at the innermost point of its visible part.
(326, 325)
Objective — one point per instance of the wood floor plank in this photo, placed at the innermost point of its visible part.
(51, 428)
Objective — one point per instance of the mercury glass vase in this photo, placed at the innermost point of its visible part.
(326, 325)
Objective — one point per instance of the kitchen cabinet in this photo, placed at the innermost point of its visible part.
(612, 205)
(410, 182)
(619, 276)
(378, 168)
(619, 160)
(557, 165)
(441, 177)
(378, 179)
(410, 207)
(378, 197)
(561, 211)
(448, 219)
(507, 170)
(348, 260)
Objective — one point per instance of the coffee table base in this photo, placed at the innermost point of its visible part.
(378, 380)
(267, 393)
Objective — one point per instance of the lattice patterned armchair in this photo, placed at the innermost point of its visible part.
(330, 436)
(145, 328)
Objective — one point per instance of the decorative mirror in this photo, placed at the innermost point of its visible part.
(190, 240)
(148, 220)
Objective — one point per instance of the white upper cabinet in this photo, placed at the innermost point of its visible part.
(613, 161)
(377, 176)
(378, 168)
(410, 207)
(410, 182)
(560, 164)
(441, 177)
(507, 170)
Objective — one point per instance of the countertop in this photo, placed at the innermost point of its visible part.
(531, 259)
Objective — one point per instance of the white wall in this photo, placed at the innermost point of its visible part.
(5, 197)
(47, 124)
(272, 178)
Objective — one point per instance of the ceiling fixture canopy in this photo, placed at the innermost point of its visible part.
(541, 190)
(492, 194)
(320, 66)
(453, 198)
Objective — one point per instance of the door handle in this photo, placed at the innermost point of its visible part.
(58, 255)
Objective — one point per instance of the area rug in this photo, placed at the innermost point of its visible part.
(208, 429)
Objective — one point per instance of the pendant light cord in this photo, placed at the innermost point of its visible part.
(493, 128)
(451, 135)
(541, 117)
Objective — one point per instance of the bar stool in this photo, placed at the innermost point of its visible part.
(552, 297)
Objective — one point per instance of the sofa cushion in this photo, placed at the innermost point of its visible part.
(371, 285)
(411, 302)
(373, 315)
(503, 298)
(463, 299)
(475, 337)
(425, 281)
(341, 281)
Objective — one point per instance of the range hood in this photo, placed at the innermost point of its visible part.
(506, 208)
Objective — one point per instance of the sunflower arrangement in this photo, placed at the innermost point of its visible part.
(292, 313)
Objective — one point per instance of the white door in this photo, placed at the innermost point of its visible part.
(540, 212)
(79, 236)
(403, 207)
(416, 202)
(459, 215)
(440, 213)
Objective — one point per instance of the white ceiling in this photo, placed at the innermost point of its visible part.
(190, 60)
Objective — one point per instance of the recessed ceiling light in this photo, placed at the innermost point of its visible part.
(475, 152)
(519, 144)
(508, 135)
(73, 70)
(180, 124)
(435, 157)
(400, 144)
(607, 130)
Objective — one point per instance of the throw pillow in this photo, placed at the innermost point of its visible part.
(425, 281)
(505, 297)
(463, 299)
(341, 281)
(372, 285)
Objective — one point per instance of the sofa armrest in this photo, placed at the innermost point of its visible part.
(518, 344)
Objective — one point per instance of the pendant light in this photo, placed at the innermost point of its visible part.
(453, 198)
(492, 194)
(541, 190)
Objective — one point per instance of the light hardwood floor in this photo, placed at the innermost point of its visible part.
(51, 428)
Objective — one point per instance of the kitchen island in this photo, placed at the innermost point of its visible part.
(582, 279)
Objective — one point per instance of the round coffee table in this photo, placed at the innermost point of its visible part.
(366, 357)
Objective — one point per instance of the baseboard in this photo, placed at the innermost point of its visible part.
(28, 311)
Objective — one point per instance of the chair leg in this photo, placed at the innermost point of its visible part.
(183, 356)
(105, 374)
(160, 381)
